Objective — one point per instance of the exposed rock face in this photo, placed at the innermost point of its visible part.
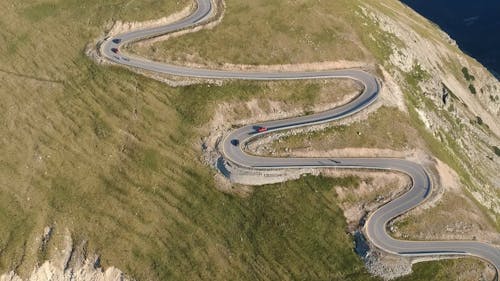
(71, 263)
(465, 99)
(387, 266)
(84, 272)
(431, 54)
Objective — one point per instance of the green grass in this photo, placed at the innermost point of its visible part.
(416, 75)
(370, 133)
(193, 102)
(443, 270)
(379, 43)
(274, 33)
(38, 12)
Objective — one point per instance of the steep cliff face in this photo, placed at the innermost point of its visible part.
(455, 97)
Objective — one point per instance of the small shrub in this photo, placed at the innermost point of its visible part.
(467, 75)
(101, 129)
(479, 120)
(472, 89)
(496, 149)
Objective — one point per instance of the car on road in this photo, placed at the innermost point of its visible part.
(117, 40)
(114, 50)
(261, 129)
(235, 142)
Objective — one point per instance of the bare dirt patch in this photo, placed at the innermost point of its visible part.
(374, 190)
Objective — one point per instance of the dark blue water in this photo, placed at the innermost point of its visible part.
(475, 25)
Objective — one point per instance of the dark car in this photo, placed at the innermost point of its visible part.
(117, 40)
(235, 142)
(114, 50)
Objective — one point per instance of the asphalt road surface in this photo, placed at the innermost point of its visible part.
(376, 224)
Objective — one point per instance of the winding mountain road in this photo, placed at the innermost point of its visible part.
(376, 224)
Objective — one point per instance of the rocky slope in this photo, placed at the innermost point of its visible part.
(70, 262)
(456, 98)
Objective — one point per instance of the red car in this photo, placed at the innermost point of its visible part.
(114, 50)
(261, 129)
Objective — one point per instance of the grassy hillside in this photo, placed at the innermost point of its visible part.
(383, 33)
(114, 158)
(315, 34)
